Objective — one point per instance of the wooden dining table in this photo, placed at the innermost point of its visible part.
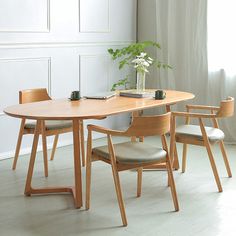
(64, 109)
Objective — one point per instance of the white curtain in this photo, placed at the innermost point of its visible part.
(221, 56)
(182, 30)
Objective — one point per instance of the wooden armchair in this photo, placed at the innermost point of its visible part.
(49, 127)
(202, 135)
(131, 155)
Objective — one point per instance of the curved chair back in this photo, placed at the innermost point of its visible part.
(226, 108)
(33, 95)
(149, 125)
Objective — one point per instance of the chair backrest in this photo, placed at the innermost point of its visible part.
(149, 125)
(226, 108)
(33, 95)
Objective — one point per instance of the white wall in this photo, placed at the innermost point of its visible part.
(61, 45)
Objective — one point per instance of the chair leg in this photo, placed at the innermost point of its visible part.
(133, 139)
(176, 159)
(20, 135)
(210, 155)
(45, 155)
(185, 146)
(172, 185)
(119, 194)
(54, 147)
(116, 180)
(139, 181)
(82, 142)
(213, 166)
(222, 147)
(88, 184)
(168, 179)
(141, 139)
(88, 171)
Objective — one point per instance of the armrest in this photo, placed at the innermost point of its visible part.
(103, 130)
(203, 107)
(193, 115)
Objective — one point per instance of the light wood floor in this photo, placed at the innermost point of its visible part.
(203, 211)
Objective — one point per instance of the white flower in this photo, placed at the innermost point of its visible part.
(146, 64)
(142, 54)
(142, 62)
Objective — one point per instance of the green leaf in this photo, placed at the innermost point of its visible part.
(121, 64)
(110, 50)
(121, 82)
(130, 52)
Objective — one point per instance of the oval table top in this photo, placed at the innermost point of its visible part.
(64, 109)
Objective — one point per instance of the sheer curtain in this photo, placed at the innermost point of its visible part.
(196, 39)
(181, 30)
(221, 56)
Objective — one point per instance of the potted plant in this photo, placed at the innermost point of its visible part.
(135, 55)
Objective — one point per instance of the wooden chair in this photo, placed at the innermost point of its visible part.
(131, 155)
(49, 127)
(202, 135)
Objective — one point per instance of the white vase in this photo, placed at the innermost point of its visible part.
(140, 85)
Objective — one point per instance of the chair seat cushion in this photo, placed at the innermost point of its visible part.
(194, 131)
(51, 124)
(133, 152)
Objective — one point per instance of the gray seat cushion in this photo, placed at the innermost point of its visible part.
(133, 152)
(51, 124)
(194, 131)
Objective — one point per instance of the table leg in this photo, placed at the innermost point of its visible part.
(32, 159)
(77, 191)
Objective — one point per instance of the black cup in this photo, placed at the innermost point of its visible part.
(75, 95)
(160, 94)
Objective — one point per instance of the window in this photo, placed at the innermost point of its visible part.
(222, 35)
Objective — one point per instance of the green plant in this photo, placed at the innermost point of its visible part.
(131, 52)
(121, 82)
(136, 55)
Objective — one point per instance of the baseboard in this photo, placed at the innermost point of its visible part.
(24, 151)
(27, 150)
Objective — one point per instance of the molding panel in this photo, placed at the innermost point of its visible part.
(65, 44)
(61, 45)
(22, 73)
(24, 16)
(94, 73)
(94, 16)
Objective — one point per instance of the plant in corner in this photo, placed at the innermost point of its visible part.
(135, 55)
